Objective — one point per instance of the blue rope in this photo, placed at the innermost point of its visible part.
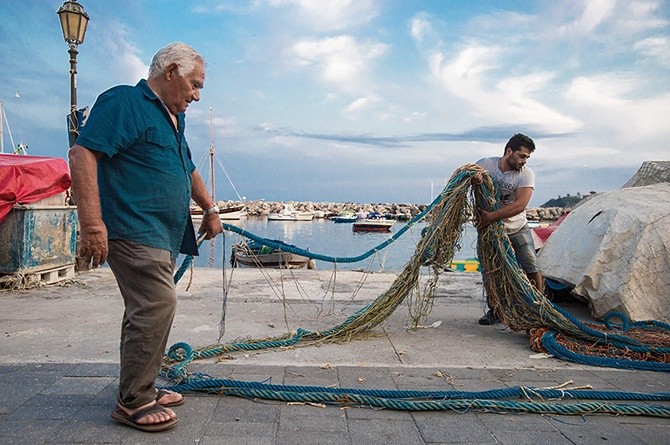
(499, 393)
(186, 263)
(416, 400)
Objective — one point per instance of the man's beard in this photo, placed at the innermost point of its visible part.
(514, 166)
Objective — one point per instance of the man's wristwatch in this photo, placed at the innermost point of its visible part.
(214, 209)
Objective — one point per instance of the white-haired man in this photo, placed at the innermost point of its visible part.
(132, 180)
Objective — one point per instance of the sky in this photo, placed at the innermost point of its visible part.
(367, 101)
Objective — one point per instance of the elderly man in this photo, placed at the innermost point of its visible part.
(514, 184)
(132, 180)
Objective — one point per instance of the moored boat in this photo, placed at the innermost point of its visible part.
(289, 213)
(255, 254)
(227, 214)
(345, 217)
(375, 222)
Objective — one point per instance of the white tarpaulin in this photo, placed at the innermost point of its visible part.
(615, 250)
(650, 172)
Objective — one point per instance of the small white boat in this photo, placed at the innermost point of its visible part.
(228, 214)
(345, 217)
(375, 222)
(289, 213)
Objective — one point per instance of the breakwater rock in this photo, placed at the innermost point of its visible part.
(263, 208)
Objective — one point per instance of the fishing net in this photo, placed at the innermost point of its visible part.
(510, 294)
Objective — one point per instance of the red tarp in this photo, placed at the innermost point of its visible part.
(27, 179)
(541, 234)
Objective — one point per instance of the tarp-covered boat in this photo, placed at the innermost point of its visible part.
(614, 251)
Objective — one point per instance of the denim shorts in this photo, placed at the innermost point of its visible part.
(524, 249)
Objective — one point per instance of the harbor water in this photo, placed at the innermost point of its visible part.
(326, 237)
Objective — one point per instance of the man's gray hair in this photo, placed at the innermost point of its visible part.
(180, 53)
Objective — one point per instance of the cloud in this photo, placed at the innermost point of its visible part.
(494, 134)
(361, 104)
(594, 13)
(632, 120)
(656, 48)
(474, 76)
(228, 6)
(639, 16)
(601, 98)
(121, 56)
(421, 27)
(609, 22)
(332, 15)
(341, 60)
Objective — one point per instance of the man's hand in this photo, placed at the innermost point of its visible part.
(477, 179)
(93, 247)
(211, 225)
(485, 218)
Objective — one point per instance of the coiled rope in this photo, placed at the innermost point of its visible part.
(510, 295)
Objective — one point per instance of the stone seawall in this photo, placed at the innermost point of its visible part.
(262, 208)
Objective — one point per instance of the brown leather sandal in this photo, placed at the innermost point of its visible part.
(132, 420)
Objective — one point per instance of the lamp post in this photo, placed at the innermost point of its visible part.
(73, 21)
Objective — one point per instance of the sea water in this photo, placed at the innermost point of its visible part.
(326, 237)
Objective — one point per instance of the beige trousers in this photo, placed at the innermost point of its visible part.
(144, 275)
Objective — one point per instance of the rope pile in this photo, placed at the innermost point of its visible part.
(510, 295)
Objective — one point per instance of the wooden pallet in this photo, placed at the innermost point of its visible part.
(40, 277)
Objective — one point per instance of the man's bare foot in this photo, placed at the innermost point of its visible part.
(158, 417)
(169, 398)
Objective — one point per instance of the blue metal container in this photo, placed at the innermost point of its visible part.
(37, 237)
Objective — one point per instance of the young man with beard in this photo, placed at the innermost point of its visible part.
(514, 183)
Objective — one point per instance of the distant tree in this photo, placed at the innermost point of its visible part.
(567, 201)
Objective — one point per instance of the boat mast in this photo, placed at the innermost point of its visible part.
(211, 151)
(2, 134)
(4, 122)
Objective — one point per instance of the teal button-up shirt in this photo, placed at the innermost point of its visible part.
(145, 174)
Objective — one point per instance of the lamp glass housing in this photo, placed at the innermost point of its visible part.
(73, 21)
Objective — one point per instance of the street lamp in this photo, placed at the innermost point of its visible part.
(73, 21)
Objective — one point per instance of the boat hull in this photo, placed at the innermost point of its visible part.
(275, 260)
(298, 217)
(344, 218)
(373, 226)
(229, 214)
(289, 213)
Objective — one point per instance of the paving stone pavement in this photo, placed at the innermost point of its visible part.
(59, 371)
